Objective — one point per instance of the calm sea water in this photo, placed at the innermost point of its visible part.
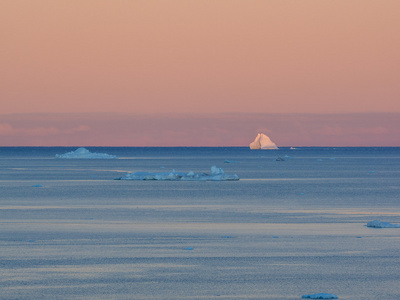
(285, 229)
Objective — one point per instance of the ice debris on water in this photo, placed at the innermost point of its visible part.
(379, 224)
(230, 161)
(86, 154)
(37, 185)
(189, 248)
(320, 296)
(216, 174)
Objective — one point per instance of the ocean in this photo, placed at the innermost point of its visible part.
(294, 224)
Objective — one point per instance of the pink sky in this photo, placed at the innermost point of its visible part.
(203, 57)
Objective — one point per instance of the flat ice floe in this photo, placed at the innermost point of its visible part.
(379, 224)
(85, 153)
(320, 296)
(216, 174)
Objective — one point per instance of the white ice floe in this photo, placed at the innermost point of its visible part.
(85, 153)
(263, 142)
(379, 224)
(320, 296)
(216, 174)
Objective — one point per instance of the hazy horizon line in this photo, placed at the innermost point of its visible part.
(200, 130)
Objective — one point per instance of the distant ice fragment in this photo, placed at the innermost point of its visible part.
(37, 185)
(263, 142)
(230, 161)
(320, 296)
(189, 248)
(216, 174)
(379, 224)
(86, 154)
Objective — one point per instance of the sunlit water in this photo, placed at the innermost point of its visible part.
(285, 229)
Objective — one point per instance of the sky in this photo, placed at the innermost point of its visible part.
(199, 61)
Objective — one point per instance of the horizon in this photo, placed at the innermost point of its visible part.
(200, 130)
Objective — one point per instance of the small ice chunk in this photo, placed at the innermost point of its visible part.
(379, 224)
(189, 248)
(84, 153)
(230, 161)
(320, 296)
(37, 185)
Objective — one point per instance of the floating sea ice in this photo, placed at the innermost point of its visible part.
(216, 174)
(189, 248)
(37, 185)
(85, 153)
(230, 161)
(379, 224)
(320, 296)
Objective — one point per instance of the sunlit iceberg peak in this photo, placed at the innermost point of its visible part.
(263, 142)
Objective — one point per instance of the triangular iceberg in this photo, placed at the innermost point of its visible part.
(262, 142)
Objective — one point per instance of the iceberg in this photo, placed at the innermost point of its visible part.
(216, 174)
(320, 296)
(379, 224)
(262, 142)
(85, 153)
(226, 161)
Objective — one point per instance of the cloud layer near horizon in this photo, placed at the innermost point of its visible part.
(199, 130)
